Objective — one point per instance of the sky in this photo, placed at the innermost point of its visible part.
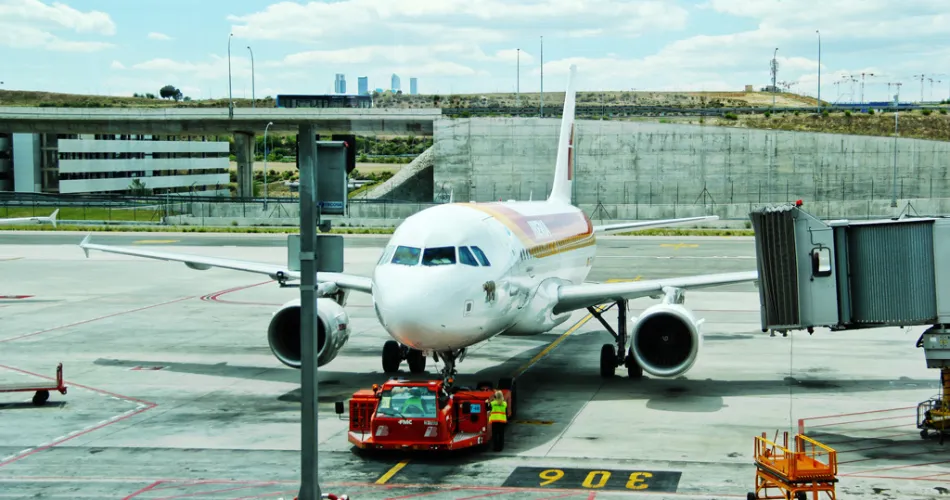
(120, 47)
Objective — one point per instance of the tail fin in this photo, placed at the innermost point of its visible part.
(564, 168)
(52, 218)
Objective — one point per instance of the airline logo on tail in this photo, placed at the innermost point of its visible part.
(570, 155)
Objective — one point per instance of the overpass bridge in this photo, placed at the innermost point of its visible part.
(242, 123)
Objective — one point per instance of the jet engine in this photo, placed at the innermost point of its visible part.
(665, 340)
(333, 330)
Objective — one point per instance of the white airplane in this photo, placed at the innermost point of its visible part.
(16, 220)
(457, 274)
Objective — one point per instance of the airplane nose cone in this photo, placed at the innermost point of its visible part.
(422, 308)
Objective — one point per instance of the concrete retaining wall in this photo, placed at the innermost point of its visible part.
(616, 162)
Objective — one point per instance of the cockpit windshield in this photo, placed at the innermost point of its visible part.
(419, 402)
(434, 256)
(439, 256)
(407, 256)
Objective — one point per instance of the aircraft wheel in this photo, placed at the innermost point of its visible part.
(634, 370)
(392, 356)
(417, 361)
(40, 398)
(608, 361)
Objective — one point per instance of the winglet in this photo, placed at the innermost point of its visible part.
(85, 241)
(52, 218)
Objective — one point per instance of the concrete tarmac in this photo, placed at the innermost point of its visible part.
(173, 392)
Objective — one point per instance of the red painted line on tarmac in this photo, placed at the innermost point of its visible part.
(415, 495)
(148, 406)
(859, 413)
(10, 339)
(188, 495)
(143, 490)
(559, 496)
(215, 296)
(485, 495)
(849, 422)
(895, 468)
(592, 495)
(14, 297)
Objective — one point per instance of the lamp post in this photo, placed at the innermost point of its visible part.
(253, 100)
(517, 83)
(542, 76)
(774, 73)
(265, 163)
(819, 70)
(230, 96)
(897, 101)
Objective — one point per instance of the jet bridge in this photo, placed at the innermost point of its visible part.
(847, 275)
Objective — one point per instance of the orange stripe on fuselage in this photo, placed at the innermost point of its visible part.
(568, 230)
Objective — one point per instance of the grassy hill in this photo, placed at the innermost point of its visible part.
(390, 100)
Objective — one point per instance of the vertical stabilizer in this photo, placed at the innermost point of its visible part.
(564, 167)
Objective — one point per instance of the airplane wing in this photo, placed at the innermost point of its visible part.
(571, 297)
(50, 218)
(652, 223)
(202, 263)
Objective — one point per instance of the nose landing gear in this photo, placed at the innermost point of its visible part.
(394, 353)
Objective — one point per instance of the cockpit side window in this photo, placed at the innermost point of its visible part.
(407, 256)
(438, 256)
(481, 256)
(466, 257)
(387, 254)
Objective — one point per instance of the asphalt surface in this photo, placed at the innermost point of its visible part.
(173, 392)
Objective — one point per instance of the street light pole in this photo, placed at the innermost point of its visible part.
(774, 73)
(896, 113)
(265, 163)
(230, 95)
(542, 76)
(518, 82)
(253, 99)
(819, 70)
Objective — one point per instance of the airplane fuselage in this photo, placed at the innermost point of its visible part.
(457, 274)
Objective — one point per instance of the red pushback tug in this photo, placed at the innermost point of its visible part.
(424, 415)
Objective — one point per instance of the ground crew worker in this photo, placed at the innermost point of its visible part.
(414, 399)
(498, 418)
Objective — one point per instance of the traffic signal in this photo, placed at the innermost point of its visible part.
(350, 144)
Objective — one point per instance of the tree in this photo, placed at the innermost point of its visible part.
(137, 188)
(170, 92)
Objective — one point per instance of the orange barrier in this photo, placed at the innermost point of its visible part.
(811, 468)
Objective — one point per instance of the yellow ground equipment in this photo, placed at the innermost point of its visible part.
(934, 414)
(800, 475)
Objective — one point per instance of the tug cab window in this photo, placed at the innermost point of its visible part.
(407, 256)
(466, 257)
(409, 402)
(481, 256)
(439, 256)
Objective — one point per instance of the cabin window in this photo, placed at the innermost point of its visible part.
(407, 256)
(407, 402)
(466, 257)
(482, 259)
(439, 256)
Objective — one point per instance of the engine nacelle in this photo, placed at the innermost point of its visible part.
(665, 340)
(283, 332)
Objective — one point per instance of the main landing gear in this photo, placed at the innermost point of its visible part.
(394, 353)
(613, 356)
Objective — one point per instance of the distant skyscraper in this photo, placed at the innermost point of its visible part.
(395, 82)
(339, 84)
(413, 90)
(363, 84)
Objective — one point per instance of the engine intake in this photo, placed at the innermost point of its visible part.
(665, 340)
(283, 332)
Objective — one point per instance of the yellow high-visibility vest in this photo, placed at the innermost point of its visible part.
(499, 412)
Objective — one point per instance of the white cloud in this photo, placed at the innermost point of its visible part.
(27, 24)
(158, 36)
(117, 65)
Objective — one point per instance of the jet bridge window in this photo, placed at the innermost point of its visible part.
(466, 257)
(438, 256)
(407, 256)
(481, 256)
(821, 262)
